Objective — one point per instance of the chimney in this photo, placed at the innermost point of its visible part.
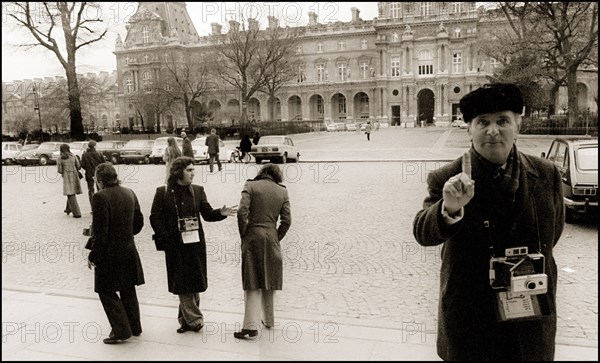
(355, 13)
(234, 26)
(312, 18)
(216, 28)
(273, 21)
(252, 24)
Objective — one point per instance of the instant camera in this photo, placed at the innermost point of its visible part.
(519, 273)
(188, 224)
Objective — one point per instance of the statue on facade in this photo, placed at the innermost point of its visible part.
(408, 30)
(442, 28)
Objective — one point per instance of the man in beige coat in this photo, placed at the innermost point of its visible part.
(264, 201)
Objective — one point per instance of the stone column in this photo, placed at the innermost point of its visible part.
(305, 109)
(284, 108)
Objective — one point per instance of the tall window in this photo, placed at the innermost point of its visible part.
(320, 106)
(342, 69)
(320, 47)
(457, 33)
(395, 62)
(145, 35)
(364, 69)
(457, 62)
(300, 76)
(298, 49)
(147, 81)
(425, 62)
(341, 104)
(426, 8)
(364, 103)
(146, 59)
(364, 44)
(395, 10)
(321, 72)
(341, 45)
(494, 63)
(128, 84)
(457, 7)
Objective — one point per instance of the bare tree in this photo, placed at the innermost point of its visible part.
(77, 32)
(186, 79)
(247, 56)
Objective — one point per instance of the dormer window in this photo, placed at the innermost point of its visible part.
(457, 33)
(341, 45)
(145, 35)
(395, 10)
(320, 47)
(364, 44)
(426, 8)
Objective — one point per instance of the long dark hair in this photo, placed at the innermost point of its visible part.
(177, 168)
(107, 174)
(273, 171)
(65, 151)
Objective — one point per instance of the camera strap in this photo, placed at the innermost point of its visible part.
(191, 189)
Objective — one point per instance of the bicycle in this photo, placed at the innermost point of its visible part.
(237, 156)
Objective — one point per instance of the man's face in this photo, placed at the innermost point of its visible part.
(188, 175)
(493, 134)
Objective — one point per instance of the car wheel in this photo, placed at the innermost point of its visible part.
(570, 215)
(8, 162)
(114, 160)
(284, 158)
(43, 160)
(146, 160)
(258, 160)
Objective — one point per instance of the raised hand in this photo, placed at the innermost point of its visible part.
(459, 189)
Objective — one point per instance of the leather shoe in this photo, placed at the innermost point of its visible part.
(246, 334)
(183, 328)
(67, 211)
(266, 326)
(114, 341)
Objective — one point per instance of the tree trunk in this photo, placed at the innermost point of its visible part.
(572, 95)
(157, 122)
(271, 107)
(553, 99)
(74, 104)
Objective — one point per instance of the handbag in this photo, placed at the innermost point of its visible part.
(79, 174)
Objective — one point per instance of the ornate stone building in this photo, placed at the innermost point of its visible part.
(413, 62)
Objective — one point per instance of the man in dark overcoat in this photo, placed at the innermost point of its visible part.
(212, 142)
(90, 159)
(186, 262)
(491, 199)
(116, 219)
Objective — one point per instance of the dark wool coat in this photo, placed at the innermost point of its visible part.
(187, 148)
(116, 219)
(263, 202)
(89, 161)
(186, 263)
(467, 324)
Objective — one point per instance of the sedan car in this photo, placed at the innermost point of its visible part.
(158, 150)
(201, 151)
(137, 151)
(577, 160)
(77, 148)
(42, 155)
(110, 150)
(280, 148)
(10, 150)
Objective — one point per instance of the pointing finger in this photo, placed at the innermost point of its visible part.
(466, 164)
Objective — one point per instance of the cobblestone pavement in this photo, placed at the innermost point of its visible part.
(349, 256)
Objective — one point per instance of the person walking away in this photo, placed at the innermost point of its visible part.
(117, 217)
(175, 219)
(264, 201)
(499, 214)
(256, 138)
(187, 146)
(245, 145)
(171, 153)
(68, 165)
(368, 129)
(90, 159)
(212, 141)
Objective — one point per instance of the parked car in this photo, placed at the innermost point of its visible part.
(24, 155)
(137, 151)
(158, 150)
(10, 150)
(201, 151)
(39, 154)
(460, 124)
(77, 148)
(577, 160)
(273, 148)
(110, 150)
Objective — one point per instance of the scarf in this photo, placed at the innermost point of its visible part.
(506, 180)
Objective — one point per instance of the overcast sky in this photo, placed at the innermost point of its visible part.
(18, 63)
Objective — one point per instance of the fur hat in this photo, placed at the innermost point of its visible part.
(491, 98)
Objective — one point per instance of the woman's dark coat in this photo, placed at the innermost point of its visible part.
(467, 324)
(116, 219)
(263, 202)
(186, 263)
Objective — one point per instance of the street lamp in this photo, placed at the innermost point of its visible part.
(36, 108)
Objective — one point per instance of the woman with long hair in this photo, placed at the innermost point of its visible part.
(172, 152)
(68, 165)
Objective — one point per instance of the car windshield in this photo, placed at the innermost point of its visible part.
(136, 144)
(76, 146)
(160, 143)
(104, 145)
(587, 158)
(46, 147)
(29, 147)
(270, 140)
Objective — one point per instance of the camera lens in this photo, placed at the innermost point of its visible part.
(530, 285)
